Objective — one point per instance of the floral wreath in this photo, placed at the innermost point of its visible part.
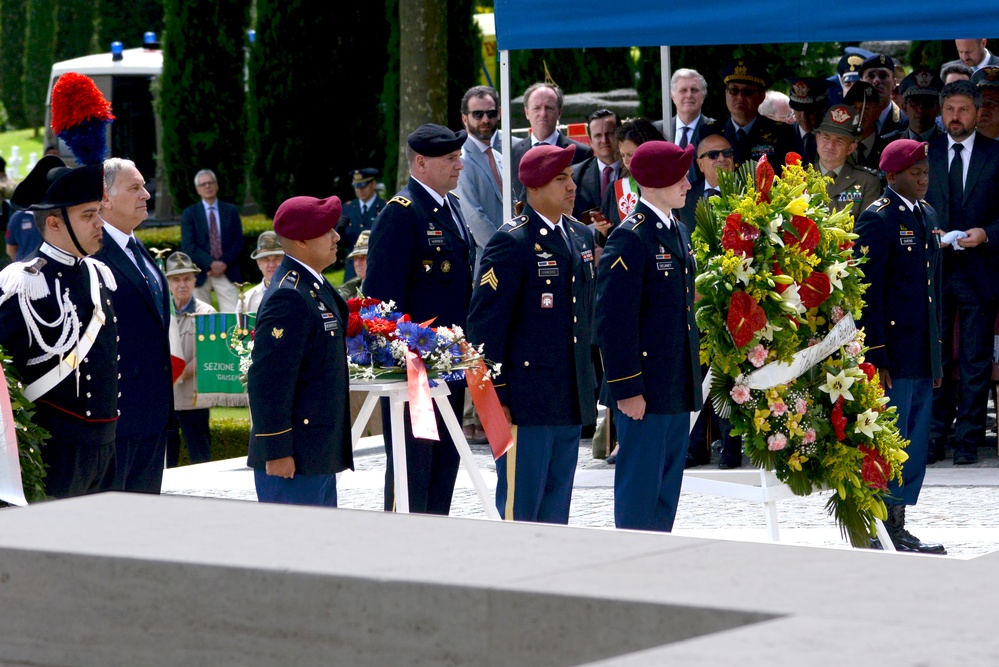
(780, 290)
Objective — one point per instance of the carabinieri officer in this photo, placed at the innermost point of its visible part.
(532, 311)
(902, 314)
(298, 385)
(649, 340)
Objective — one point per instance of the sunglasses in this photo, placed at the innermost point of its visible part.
(478, 114)
(745, 92)
(713, 155)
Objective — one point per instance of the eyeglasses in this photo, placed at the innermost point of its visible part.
(735, 91)
(713, 155)
(478, 114)
(206, 184)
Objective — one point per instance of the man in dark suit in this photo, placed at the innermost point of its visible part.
(809, 99)
(543, 108)
(298, 385)
(964, 170)
(687, 89)
(141, 303)
(901, 316)
(594, 175)
(359, 214)
(879, 71)
(211, 233)
(649, 339)
(532, 310)
(421, 255)
(973, 54)
(713, 153)
(751, 134)
(56, 319)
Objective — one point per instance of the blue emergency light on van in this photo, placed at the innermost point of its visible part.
(116, 50)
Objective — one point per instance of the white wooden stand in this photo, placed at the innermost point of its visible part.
(756, 485)
(398, 393)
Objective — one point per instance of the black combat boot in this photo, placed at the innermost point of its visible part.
(903, 539)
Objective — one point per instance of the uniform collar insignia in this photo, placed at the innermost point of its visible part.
(58, 254)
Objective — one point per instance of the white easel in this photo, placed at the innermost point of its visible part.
(398, 393)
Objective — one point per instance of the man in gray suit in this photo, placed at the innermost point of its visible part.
(972, 53)
(479, 185)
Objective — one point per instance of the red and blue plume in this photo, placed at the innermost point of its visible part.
(80, 116)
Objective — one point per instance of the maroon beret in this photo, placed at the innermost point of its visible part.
(541, 164)
(304, 218)
(660, 164)
(901, 154)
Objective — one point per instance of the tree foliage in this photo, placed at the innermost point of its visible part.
(202, 98)
(13, 20)
(39, 54)
(76, 29)
(315, 79)
(574, 70)
(126, 21)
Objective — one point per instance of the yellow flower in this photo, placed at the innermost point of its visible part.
(795, 460)
(794, 425)
(797, 206)
(760, 422)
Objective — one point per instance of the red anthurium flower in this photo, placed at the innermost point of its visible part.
(868, 369)
(354, 324)
(807, 230)
(745, 318)
(838, 420)
(764, 178)
(874, 469)
(370, 301)
(792, 158)
(738, 236)
(354, 305)
(815, 289)
(778, 287)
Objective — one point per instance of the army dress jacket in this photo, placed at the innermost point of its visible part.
(532, 309)
(902, 314)
(298, 383)
(645, 315)
(83, 406)
(418, 257)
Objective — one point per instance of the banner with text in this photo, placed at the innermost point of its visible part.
(221, 341)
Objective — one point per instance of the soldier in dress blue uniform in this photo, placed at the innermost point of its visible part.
(298, 385)
(901, 317)
(420, 256)
(649, 340)
(57, 323)
(532, 310)
(359, 214)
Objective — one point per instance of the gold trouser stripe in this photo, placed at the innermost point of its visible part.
(267, 435)
(511, 475)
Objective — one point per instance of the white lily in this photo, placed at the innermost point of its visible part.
(838, 385)
(836, 272)
(774, 230)
(792, 300)
(867, 423)
(744, 271)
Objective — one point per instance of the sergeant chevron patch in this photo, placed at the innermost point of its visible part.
(489, 278)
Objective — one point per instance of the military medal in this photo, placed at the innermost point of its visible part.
(445, 266)
(547, 301)
(537, 247)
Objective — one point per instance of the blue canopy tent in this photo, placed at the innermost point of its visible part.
(551, 24)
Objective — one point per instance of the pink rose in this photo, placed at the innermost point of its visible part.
(853, 348)
(758, 355)
(778, 409)
(809, 436)
(739, 393)
(801, 406)
(776, 442)
(837, 314)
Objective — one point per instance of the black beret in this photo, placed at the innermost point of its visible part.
(435, 140)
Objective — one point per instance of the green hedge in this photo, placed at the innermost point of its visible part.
(230, 438)
(253, 226)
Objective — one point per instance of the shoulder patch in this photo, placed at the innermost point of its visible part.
(880, 204)
(634, 220)
(400, 200)
(290, 279)
(517, 222)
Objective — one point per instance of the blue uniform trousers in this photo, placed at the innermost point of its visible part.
(534, 478)
(299, 490)
(914, 401)
(649, 469)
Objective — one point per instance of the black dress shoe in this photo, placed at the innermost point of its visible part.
(611, 460)
(903, 539)
(963, 457)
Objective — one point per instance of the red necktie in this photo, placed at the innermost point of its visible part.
(605, 179)
(492, 165)
(214, 238)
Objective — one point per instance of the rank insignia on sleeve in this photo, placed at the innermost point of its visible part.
(489, 278)
(620, 261)
(400, 200)
(277, 332)
(864, 249)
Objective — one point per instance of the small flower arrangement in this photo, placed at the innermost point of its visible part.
(379, 338)
(780, 289)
